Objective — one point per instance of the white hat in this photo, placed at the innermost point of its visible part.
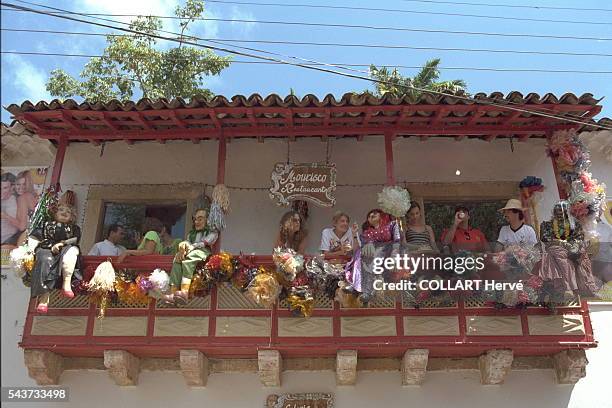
(513, 204)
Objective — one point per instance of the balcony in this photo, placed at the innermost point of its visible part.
(226, 325)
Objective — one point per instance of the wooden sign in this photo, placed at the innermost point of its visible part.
(308, 181)
(306, 400)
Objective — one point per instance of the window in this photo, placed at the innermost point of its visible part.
(484, 215)
(131, 216)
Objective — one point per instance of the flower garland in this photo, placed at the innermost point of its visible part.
(586, 194)
(566, 229)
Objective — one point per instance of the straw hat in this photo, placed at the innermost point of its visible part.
(513, 204)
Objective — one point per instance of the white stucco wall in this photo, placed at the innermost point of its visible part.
(254, 218)
(251, 226)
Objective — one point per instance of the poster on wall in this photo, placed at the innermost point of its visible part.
(314, 182)
(21, 189)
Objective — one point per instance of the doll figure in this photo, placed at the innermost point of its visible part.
(380, 237)
(564, 258)
(196, 249)
(56, 251)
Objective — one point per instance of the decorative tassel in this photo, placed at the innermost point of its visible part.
(220, 195)
(102, 283)
(216, 217)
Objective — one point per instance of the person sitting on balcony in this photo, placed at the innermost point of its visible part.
(56, 251)
(292, 233)
(517, 232)
(461, 236)
(196, 249)
(109, 247)
(150, 243)
(419, 237)
(338, 240)
(380, 238)
(169, 244)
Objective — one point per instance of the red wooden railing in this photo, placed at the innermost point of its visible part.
(462, 344)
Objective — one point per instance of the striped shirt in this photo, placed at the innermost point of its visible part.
(417, 238)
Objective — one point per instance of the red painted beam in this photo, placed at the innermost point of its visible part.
(348, 131)
(59, 163)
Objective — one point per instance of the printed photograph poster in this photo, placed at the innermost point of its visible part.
(21, 189)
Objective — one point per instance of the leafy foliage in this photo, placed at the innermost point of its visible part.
(427, 78)
(132, 63)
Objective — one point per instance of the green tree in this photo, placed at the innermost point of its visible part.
(132, 63)
(427, 78)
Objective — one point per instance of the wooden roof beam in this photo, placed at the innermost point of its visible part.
(439, 115)
(33, 121)
(70, 121)
(213, 116)
(510, 118)
(177, 121)
(477, 114)
(106, 118)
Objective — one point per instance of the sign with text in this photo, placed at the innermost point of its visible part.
(307, 181)
(306, 400)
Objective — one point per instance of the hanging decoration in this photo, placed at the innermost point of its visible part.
(101, 286)
(288, 262)
(585, 194)
(219, 208)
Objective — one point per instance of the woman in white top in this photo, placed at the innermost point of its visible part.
(517, 232)
(339, 239)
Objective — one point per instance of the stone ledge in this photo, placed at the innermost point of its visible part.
(569, 365)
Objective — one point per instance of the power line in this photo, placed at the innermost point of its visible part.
(356, 26)
(319, 44)
(463, 3)
(57, 54)
(326, 70)
(403, 11)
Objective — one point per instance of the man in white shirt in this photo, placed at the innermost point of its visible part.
(517, 232)
(109, 246)
(339, 239)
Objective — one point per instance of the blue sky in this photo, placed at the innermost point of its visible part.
(24, 77)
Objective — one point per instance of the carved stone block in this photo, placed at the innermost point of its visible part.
(414, 366)
(44, 366)
(194, 366)
(570, 366)
(494, 366)
(270, 365)
(123, 367)
(346, 367)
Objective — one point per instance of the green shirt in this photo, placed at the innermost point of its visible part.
(151, 236)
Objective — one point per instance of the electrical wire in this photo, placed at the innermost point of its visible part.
(57, 54)
(327, 70)
(318, 44)
(402, 11)
(537, 7)
(338, 25)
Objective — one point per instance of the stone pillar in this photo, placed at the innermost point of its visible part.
(570, 366)
(194, 366)
(414, 366)
(44, 366)
(346, 367)
(270, 365)
(123, 367)
(494, 366)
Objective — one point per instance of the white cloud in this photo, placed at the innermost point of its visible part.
(26, 80)
(130, 8)
(242, 29)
